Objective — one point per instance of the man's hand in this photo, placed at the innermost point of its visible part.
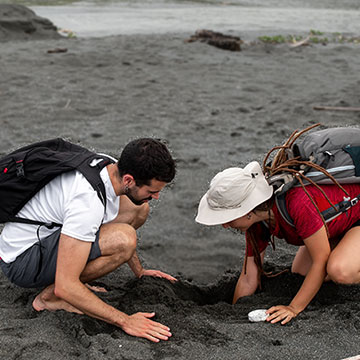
(140, 325)
(96, 288)
(157, 273)
(281, 312)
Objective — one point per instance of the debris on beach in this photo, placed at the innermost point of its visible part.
(225, 42)
(57, 50)
(67, 32)
(337, 108)
(303, 42)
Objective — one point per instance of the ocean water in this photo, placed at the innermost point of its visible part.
(97, 18)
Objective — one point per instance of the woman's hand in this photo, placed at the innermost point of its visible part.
(281, 312)
(248, 280)
(319, 250)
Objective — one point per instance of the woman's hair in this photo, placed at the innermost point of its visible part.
(252, 236)
(146, 159)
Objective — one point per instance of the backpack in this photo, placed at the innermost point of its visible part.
(26, 170)
(322, 157)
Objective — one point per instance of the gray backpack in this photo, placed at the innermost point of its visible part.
(322, 157)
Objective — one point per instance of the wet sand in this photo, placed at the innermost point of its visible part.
(216, 109)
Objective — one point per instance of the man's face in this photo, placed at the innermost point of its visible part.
(144, 193)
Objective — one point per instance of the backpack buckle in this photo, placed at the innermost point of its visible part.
(20, 169)
(354, 201)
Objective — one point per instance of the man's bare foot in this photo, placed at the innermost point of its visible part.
(47, 300)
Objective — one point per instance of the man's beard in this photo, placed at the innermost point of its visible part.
(134, 200)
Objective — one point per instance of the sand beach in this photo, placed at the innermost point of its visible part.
(216, 109)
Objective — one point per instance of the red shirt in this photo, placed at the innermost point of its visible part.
(306, 218)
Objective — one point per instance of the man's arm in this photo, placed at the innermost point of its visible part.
(135, 265)
(71, 261)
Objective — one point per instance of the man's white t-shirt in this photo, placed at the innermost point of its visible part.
(70, 200)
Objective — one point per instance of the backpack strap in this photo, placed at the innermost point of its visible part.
(328, 214)
(341, 207)
(49, 225)
(281, 205)
(91, 170)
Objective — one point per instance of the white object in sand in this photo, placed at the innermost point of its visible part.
(257, 315)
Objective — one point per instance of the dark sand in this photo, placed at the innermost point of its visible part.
(216, 109)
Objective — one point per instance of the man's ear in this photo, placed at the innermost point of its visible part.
(128, 180)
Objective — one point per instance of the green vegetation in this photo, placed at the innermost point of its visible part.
(277, 39)
(337, 37)
(313, 37)
(316, 32)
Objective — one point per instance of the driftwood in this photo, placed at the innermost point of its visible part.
(336, 108)
(303, 42)
(226, 42)
(57, 50)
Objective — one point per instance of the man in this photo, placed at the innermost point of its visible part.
(90, 243)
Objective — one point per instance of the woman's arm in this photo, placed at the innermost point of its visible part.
(247, 283)
(319, 250)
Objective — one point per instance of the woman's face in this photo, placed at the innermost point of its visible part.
(241, 223)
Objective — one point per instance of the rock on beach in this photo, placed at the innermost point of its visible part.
(17, 22)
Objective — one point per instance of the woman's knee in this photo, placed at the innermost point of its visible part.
(295, 269)
(302, 262)
(340, 272)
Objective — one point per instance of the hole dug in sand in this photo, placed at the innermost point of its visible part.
(161, 291)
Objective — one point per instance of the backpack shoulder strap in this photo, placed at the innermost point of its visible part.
(280, 201)
(328, 214)
(91, 170)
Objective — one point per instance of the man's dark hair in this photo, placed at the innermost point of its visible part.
(147, 159)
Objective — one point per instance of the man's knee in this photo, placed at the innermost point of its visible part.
(118, 240)
(127, 238)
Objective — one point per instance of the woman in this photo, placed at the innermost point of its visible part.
(242, 199)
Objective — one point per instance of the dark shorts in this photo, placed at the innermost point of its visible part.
(36, 266)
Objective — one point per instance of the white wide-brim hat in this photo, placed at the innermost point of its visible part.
(233, 193)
